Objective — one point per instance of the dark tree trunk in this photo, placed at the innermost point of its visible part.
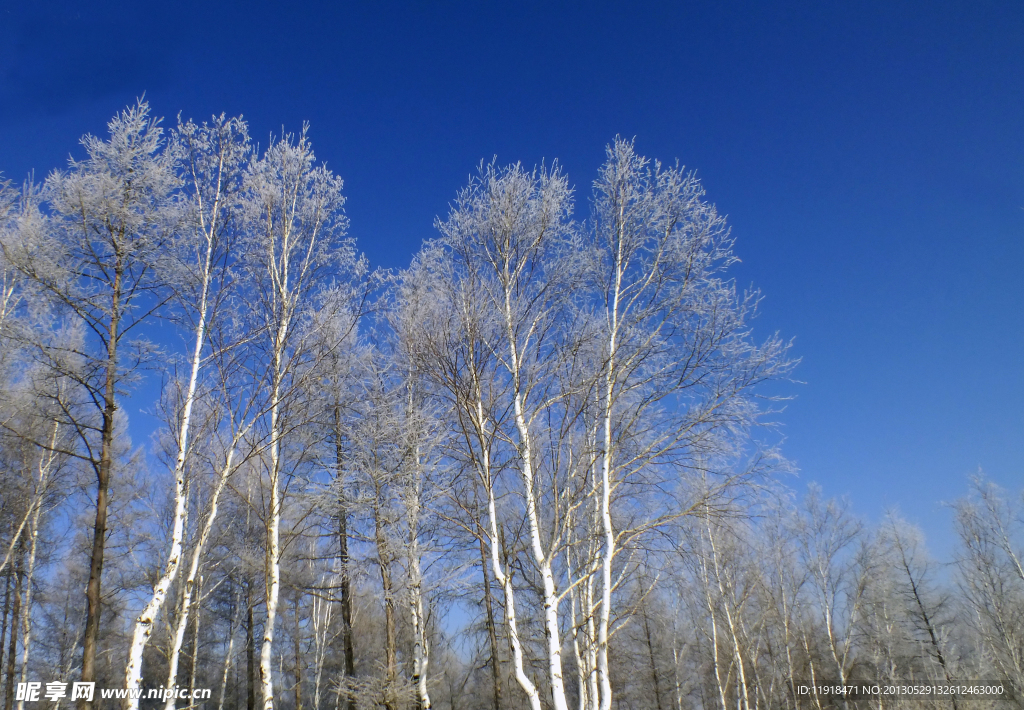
(99, 533)
(492, 632)
(343, 559)
(929, 626)
(650, 652)
(390, 640)
(298, 656)
(12, 648)
(7, 610)
(250, 654)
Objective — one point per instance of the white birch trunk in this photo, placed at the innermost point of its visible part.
(321, 620)
(46, 462)
(193, 572)
(706, 581)
(420, 649)
(581, 618)
(593, 687)
(505, 580)
(147, 618)
(580, 572)
(675, 666)
(542, 560)
(145, 621)
(734, 637)
(26, 607)
(608, 553)
(273, 571)
(593, 681)
(297, 212)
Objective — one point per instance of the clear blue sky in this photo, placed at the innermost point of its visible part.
(870, 156)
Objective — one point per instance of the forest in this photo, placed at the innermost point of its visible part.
(540, 467)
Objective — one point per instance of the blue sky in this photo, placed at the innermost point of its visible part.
(870, 157)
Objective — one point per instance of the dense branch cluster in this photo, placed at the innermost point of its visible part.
(530, 470)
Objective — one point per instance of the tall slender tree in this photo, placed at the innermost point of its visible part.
(213, 157)
(676, 367)
(97, 260)
(295, 228)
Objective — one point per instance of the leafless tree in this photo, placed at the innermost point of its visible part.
(97, 260)
(213, 157)
(294, 242)
(991, 576)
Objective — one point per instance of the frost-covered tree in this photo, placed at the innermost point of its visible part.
(676, 367)
(294, 242)
(198, 267)
(509, 233)
(990, 562)
(97, 260)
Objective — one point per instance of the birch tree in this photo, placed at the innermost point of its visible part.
(990, 565)
(677, 365)
(417, 500)
(47, 468)
(840, 565)
(213, 157)
(295, 227)
(511, 229)
(453, 337)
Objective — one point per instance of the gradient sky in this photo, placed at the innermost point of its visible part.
(870, 157)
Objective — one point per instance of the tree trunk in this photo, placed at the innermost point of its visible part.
(492, 632)
(540, 556)
(503, 574)
(582, 700)
(716, 665)
(727, 596)
(193, 572)
(7, 611)
(593, 682)
(343, 559)
(99, 534)
(250, 652)
(421, 648)
(650, 654)
(608, 533)
(925, 617)
(273, 558)
(297, 648)
(144, 622)
(26, 641)
(12, 649)
(320, 619)
(193, 664)
(390, 642)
